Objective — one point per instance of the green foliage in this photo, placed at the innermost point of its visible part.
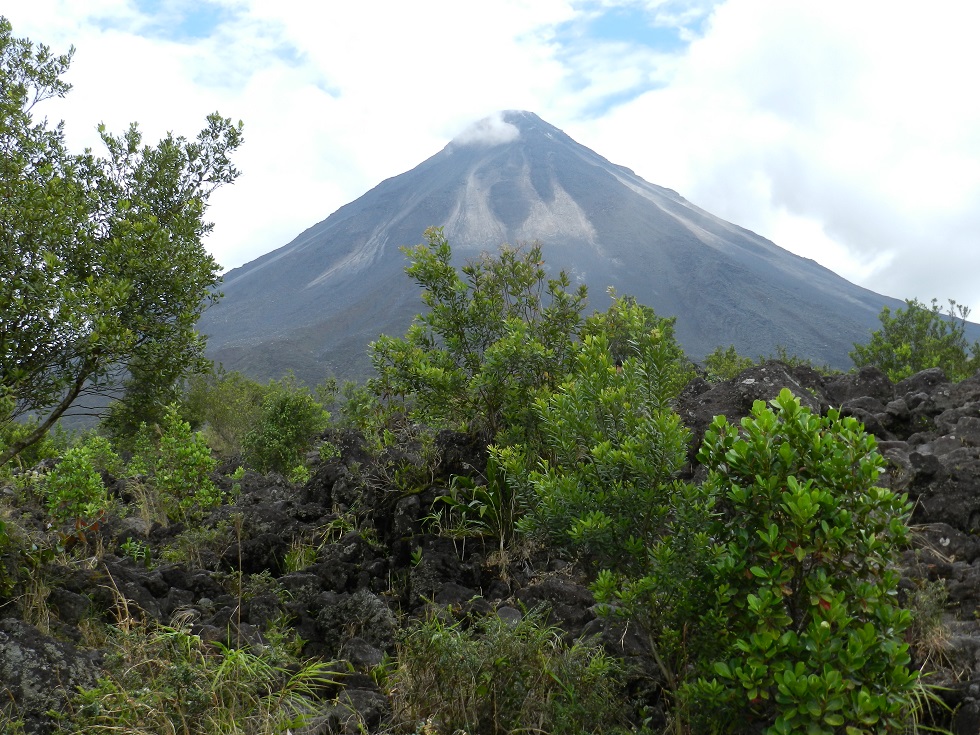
(8, 576)
(50, 446)
(606, 488)
(197, 543)
(920, 337)
(165, 680)
(136, 550)
(177, 463)
(225, 406)
(488, 507)
(102, 265)
(494, 335)
(148, 389)
(289, 420)
(499, 677)
(629, 326)
(724, 365)
(809, 634)
(74, 488)
(611, 445)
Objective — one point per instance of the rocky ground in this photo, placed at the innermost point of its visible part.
(378, 563)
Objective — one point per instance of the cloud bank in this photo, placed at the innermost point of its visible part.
(845, 132)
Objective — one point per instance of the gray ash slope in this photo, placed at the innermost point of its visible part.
(313, 305)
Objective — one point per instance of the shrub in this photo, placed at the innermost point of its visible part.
(630, 327)
(920, 337)
(289, 420)
(607, 488)
(50, 446)
(74, 488)
(611, 445)
(499, 677)
(810, 635)
(177, 462)
(225, 406)
(493, 335)
(725, 364)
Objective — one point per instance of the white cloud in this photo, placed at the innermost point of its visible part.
(492, 130)
(844, 132)
(847, 132)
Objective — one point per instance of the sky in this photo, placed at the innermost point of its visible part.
(846, 131)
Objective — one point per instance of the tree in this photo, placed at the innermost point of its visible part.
(226, 406)
(610, 443)
(101, 261)
(920, 337)
(493, 336)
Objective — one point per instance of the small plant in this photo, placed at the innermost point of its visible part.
(8, 576)
(302, 554)
(489, 508)
(136, 550)
(328, 451)
(725, 364)
(10, 722)
(793, 360)
(195, 545)
(258, 584)
(498, 677)
(928, 633)
(299, 475)
(236, 478)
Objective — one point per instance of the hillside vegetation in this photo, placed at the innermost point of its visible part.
(532, 519)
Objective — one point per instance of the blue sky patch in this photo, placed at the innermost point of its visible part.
(180, 20)
(633, 25)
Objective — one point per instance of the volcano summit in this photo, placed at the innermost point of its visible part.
(313, 305)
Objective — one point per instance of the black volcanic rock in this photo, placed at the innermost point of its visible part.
(313, 305)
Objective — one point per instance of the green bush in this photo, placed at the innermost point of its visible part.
(611, 445)
(726, 364)
(289, 420)
(809, 633)
(177, 463)
(8, 567)
(491, 338)
(606, 489)
(629, 328)
(225, 406)
(74, 488)
(498, 677)
(50, 446)
(920, 337)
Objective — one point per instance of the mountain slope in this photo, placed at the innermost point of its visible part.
(313, 305)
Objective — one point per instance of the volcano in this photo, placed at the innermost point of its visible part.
(313, 305)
